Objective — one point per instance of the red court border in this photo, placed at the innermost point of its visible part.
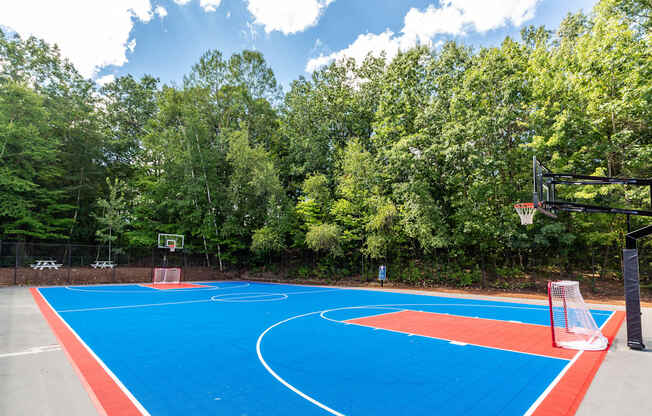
(106, 395)
(566, 396)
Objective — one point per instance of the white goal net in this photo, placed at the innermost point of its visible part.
(572, 324)
(164, 275)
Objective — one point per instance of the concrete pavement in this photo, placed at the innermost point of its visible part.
(36, 377)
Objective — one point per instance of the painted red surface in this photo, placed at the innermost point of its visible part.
(108, 397)
(527, 338)
(164, 286)
(566, 395)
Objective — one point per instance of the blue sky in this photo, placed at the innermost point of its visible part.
(165, 38)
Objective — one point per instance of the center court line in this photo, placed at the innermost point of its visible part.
(33, 350)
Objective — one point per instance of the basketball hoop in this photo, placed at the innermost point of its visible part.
(171, 247)
(526, 211)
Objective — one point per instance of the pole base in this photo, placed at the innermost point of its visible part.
(638, 346)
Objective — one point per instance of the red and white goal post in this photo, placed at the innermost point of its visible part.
(167, 275)
(571, 321)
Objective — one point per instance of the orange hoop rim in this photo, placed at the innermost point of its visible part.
(524, 205)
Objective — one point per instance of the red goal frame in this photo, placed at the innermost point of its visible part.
(167, 268)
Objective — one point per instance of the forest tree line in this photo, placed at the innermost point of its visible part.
(391, 161)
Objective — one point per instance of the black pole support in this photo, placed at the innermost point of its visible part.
(632, 288)
(632, 299)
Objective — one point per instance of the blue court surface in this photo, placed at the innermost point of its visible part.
(246, 348)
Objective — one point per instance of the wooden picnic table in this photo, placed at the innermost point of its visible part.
(46, 264)
(103, 264)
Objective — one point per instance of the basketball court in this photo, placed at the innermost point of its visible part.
(258, 348)
(174, 347)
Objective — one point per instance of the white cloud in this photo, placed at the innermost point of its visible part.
(453, 17)
(210, 5)
(160, 11)
(364, 44)
(91, 34)
(287, 16)
(105, 79)
(228, 15)
(131, 45)
(182, 2)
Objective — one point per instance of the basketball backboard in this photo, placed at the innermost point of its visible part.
(544, 188)
(170, 241)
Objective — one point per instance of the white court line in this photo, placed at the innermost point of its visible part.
(554, 382)
(33, 350)
(249, 297)
(197, 289)
(117, 381)
(279, 378)
(307, 292)
(147, 305)
(390, 305)
(322, 314)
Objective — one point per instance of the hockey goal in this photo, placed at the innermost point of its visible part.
(571, 322)
(163, 275)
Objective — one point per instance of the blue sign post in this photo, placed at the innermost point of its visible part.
(382, 274)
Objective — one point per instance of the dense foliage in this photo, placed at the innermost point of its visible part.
(407, 161)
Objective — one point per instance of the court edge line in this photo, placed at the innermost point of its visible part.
(552, 385)
(110, 373)
(557, 379)
(279, 378)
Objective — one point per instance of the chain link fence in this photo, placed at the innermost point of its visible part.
(75, 266)
(63, 264)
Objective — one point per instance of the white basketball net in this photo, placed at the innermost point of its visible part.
(526, 212)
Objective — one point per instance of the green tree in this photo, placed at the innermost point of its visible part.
(32, 203)
(111, 214)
